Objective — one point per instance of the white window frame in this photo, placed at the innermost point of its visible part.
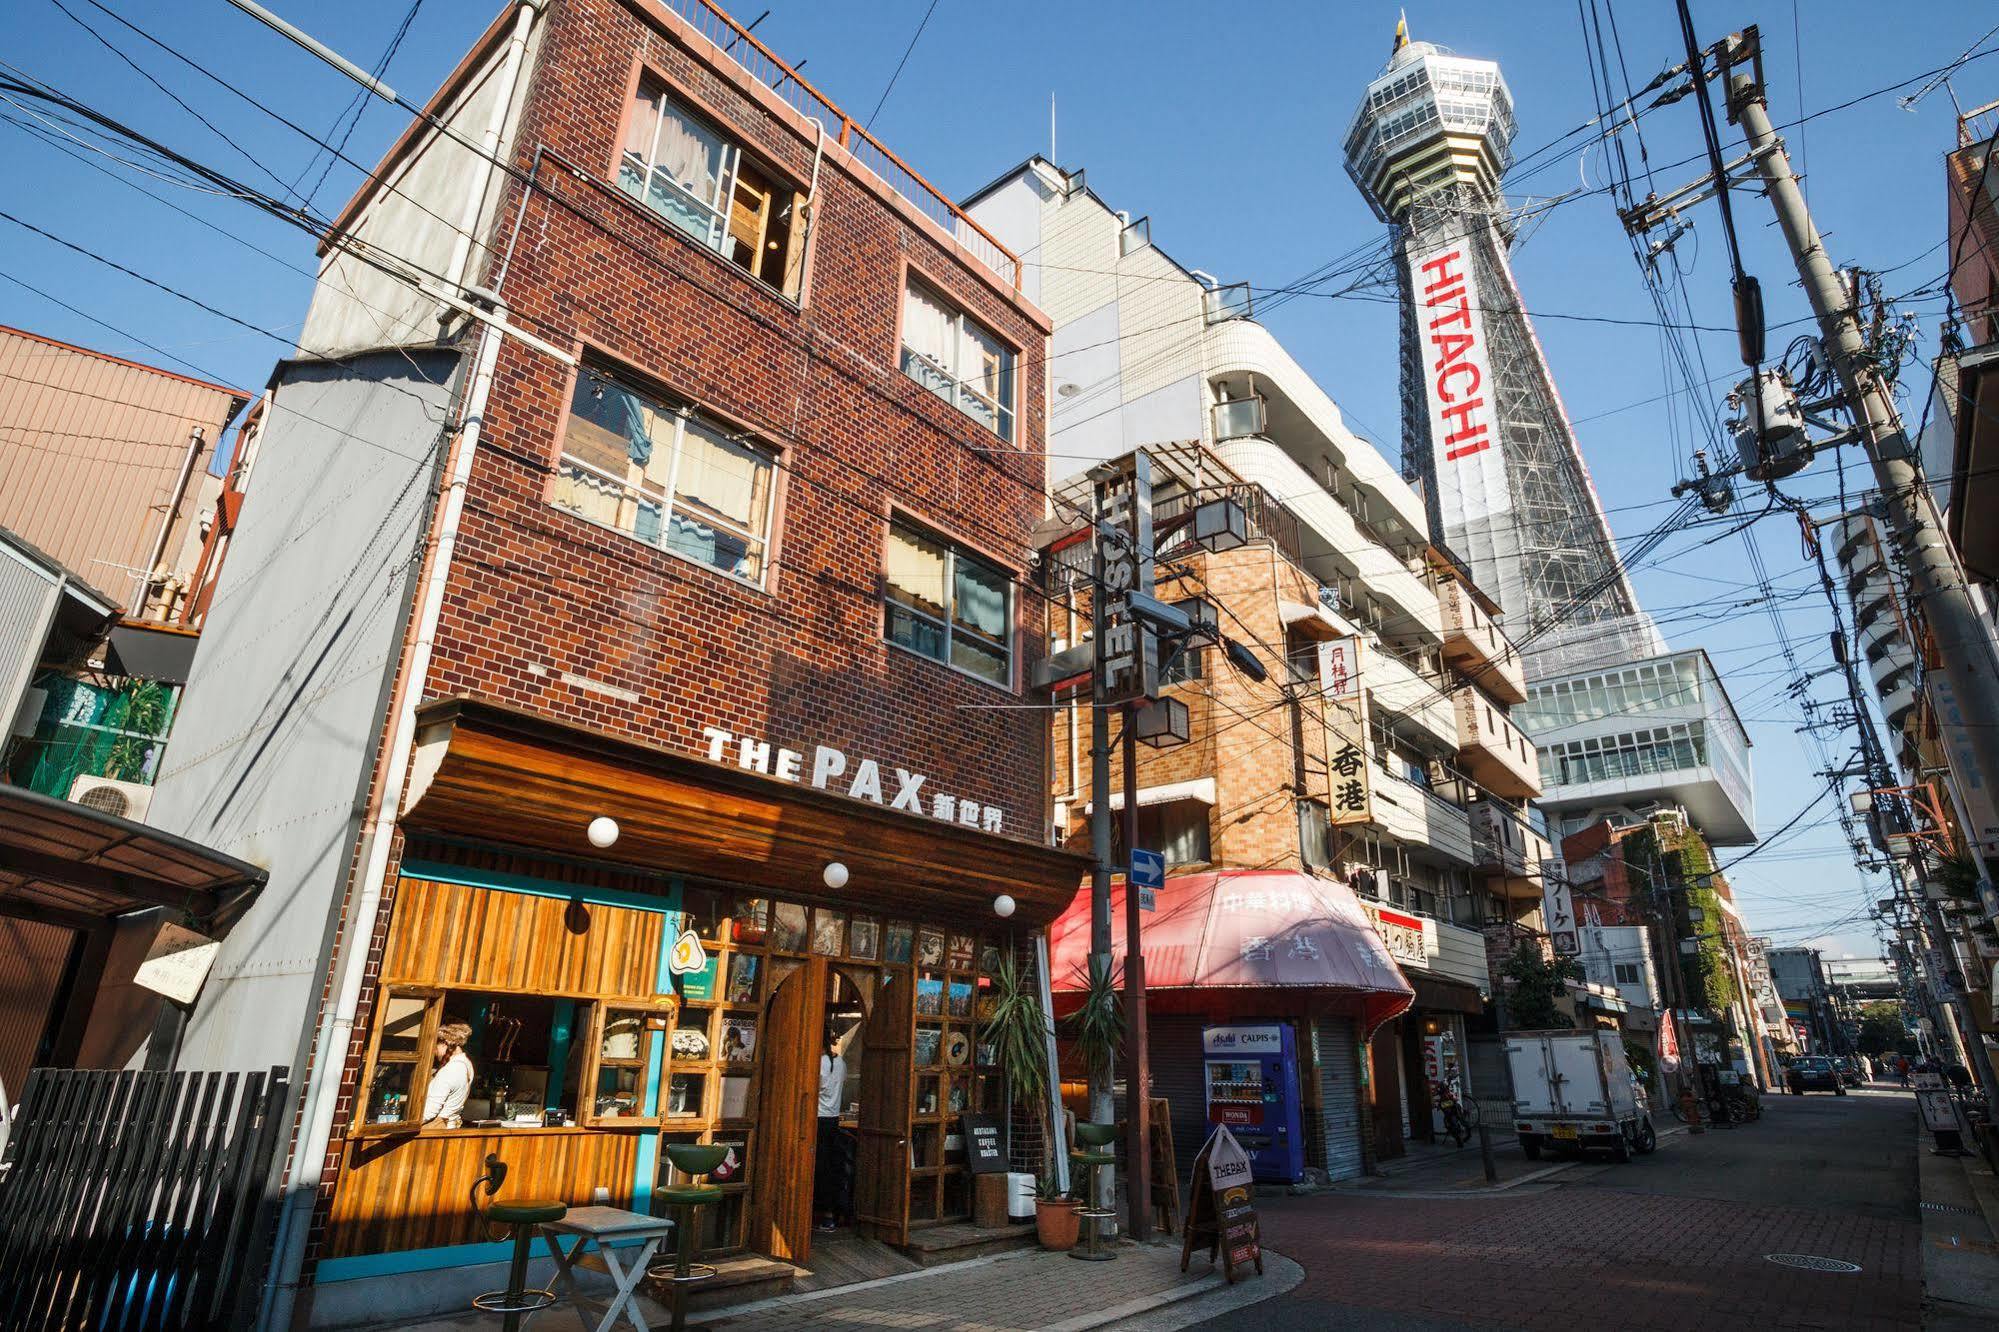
(956, 375)
(725, 180)
(952, 549)
(669, 501)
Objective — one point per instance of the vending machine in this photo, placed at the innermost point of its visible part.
(1251, 1077)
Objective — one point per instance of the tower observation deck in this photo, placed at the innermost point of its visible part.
(1482, 423)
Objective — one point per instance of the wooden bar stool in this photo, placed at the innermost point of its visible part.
(521, 1216)
(686, 1201)
(1096, 1141)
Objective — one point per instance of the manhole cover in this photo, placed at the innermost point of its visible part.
(1810, 1262)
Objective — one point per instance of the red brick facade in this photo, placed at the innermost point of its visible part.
(536, 592)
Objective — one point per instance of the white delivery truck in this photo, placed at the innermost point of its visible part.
(1574, 1089)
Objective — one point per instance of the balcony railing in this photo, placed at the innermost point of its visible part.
(732, 39)
(1267, 517)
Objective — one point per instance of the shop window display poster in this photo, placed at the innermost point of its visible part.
(930, 997)
(739, 1040)
(743, 979)
(787, 930)
(900, 937)
(863, 938)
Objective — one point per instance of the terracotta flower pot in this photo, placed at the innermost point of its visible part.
(1056, 1222)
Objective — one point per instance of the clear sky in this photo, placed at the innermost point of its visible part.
(1223, 124)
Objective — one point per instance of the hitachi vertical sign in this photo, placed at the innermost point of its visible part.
(1457, 378)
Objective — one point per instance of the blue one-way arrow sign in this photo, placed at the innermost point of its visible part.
(1147, 874)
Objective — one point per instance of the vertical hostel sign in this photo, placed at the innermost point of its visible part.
(1130, 652)
(1457, 380)
(1350, 795)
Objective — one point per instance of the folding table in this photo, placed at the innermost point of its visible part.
(604, 1226)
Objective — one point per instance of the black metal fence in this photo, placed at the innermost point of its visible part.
(137, 1199)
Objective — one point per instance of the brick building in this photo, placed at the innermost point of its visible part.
(652, 510)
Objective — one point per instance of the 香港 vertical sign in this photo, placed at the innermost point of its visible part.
(1350, 795)
(1457, 380)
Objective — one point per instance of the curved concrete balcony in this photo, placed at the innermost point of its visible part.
(1242, 347)
(1879, 636)
(1415, 816)
(1495, 752)
(1332, 541)
(1476, 647)
(1413, 701)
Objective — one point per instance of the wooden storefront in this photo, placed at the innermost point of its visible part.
(592, 1044)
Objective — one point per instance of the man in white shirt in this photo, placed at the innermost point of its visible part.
(832, 1183)
(450, 1078)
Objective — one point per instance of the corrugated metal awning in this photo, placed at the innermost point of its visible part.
(72, 865)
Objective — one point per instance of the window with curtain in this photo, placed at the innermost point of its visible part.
(699, 181)
(670, 479)
(957, 358)
(943, 602)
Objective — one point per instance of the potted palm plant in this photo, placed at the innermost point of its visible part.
(1017, 1029)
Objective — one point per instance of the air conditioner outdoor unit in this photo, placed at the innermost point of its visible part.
(128, 800)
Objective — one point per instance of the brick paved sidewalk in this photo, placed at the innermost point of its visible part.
(1027, 1291)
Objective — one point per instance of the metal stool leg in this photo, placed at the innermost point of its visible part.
(517, 1276)
(685, 1271)
(517, 1299)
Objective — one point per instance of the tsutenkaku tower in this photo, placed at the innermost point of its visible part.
(1503, 479)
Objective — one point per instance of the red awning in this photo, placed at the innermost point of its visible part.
(1244, 929)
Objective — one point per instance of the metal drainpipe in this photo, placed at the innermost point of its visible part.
(194, 439)
(322, 1092)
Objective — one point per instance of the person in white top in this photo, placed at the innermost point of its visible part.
(832, 1182)
(450, 1078)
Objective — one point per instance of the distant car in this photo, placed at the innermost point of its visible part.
(1813, 1073)
(1849, 1071)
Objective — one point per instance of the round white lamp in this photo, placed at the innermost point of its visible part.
(835, 875)
(603, 831)
(1003, 906)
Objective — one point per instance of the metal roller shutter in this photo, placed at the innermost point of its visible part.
(1175, 1043)
(1337, 1127)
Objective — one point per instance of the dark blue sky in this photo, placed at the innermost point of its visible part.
(1223, 124)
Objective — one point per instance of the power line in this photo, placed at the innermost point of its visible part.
(883, 99)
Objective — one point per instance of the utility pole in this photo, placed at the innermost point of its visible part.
(1675, 976)
(1963, 647)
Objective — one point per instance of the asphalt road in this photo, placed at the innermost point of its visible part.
(1675, 1240)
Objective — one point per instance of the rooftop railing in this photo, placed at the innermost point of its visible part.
(735, 41)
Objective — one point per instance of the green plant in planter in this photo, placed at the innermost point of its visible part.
(1098, 1025)
(1017, 1030)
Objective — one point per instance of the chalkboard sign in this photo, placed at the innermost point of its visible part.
(1222, 1211)
(985, 1144)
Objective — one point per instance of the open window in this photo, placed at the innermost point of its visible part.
(399, 1059)
(627, 1044)
(700, 181)
(528, 1053)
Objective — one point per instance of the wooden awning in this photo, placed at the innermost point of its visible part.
(72, 865)
(520, 780)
